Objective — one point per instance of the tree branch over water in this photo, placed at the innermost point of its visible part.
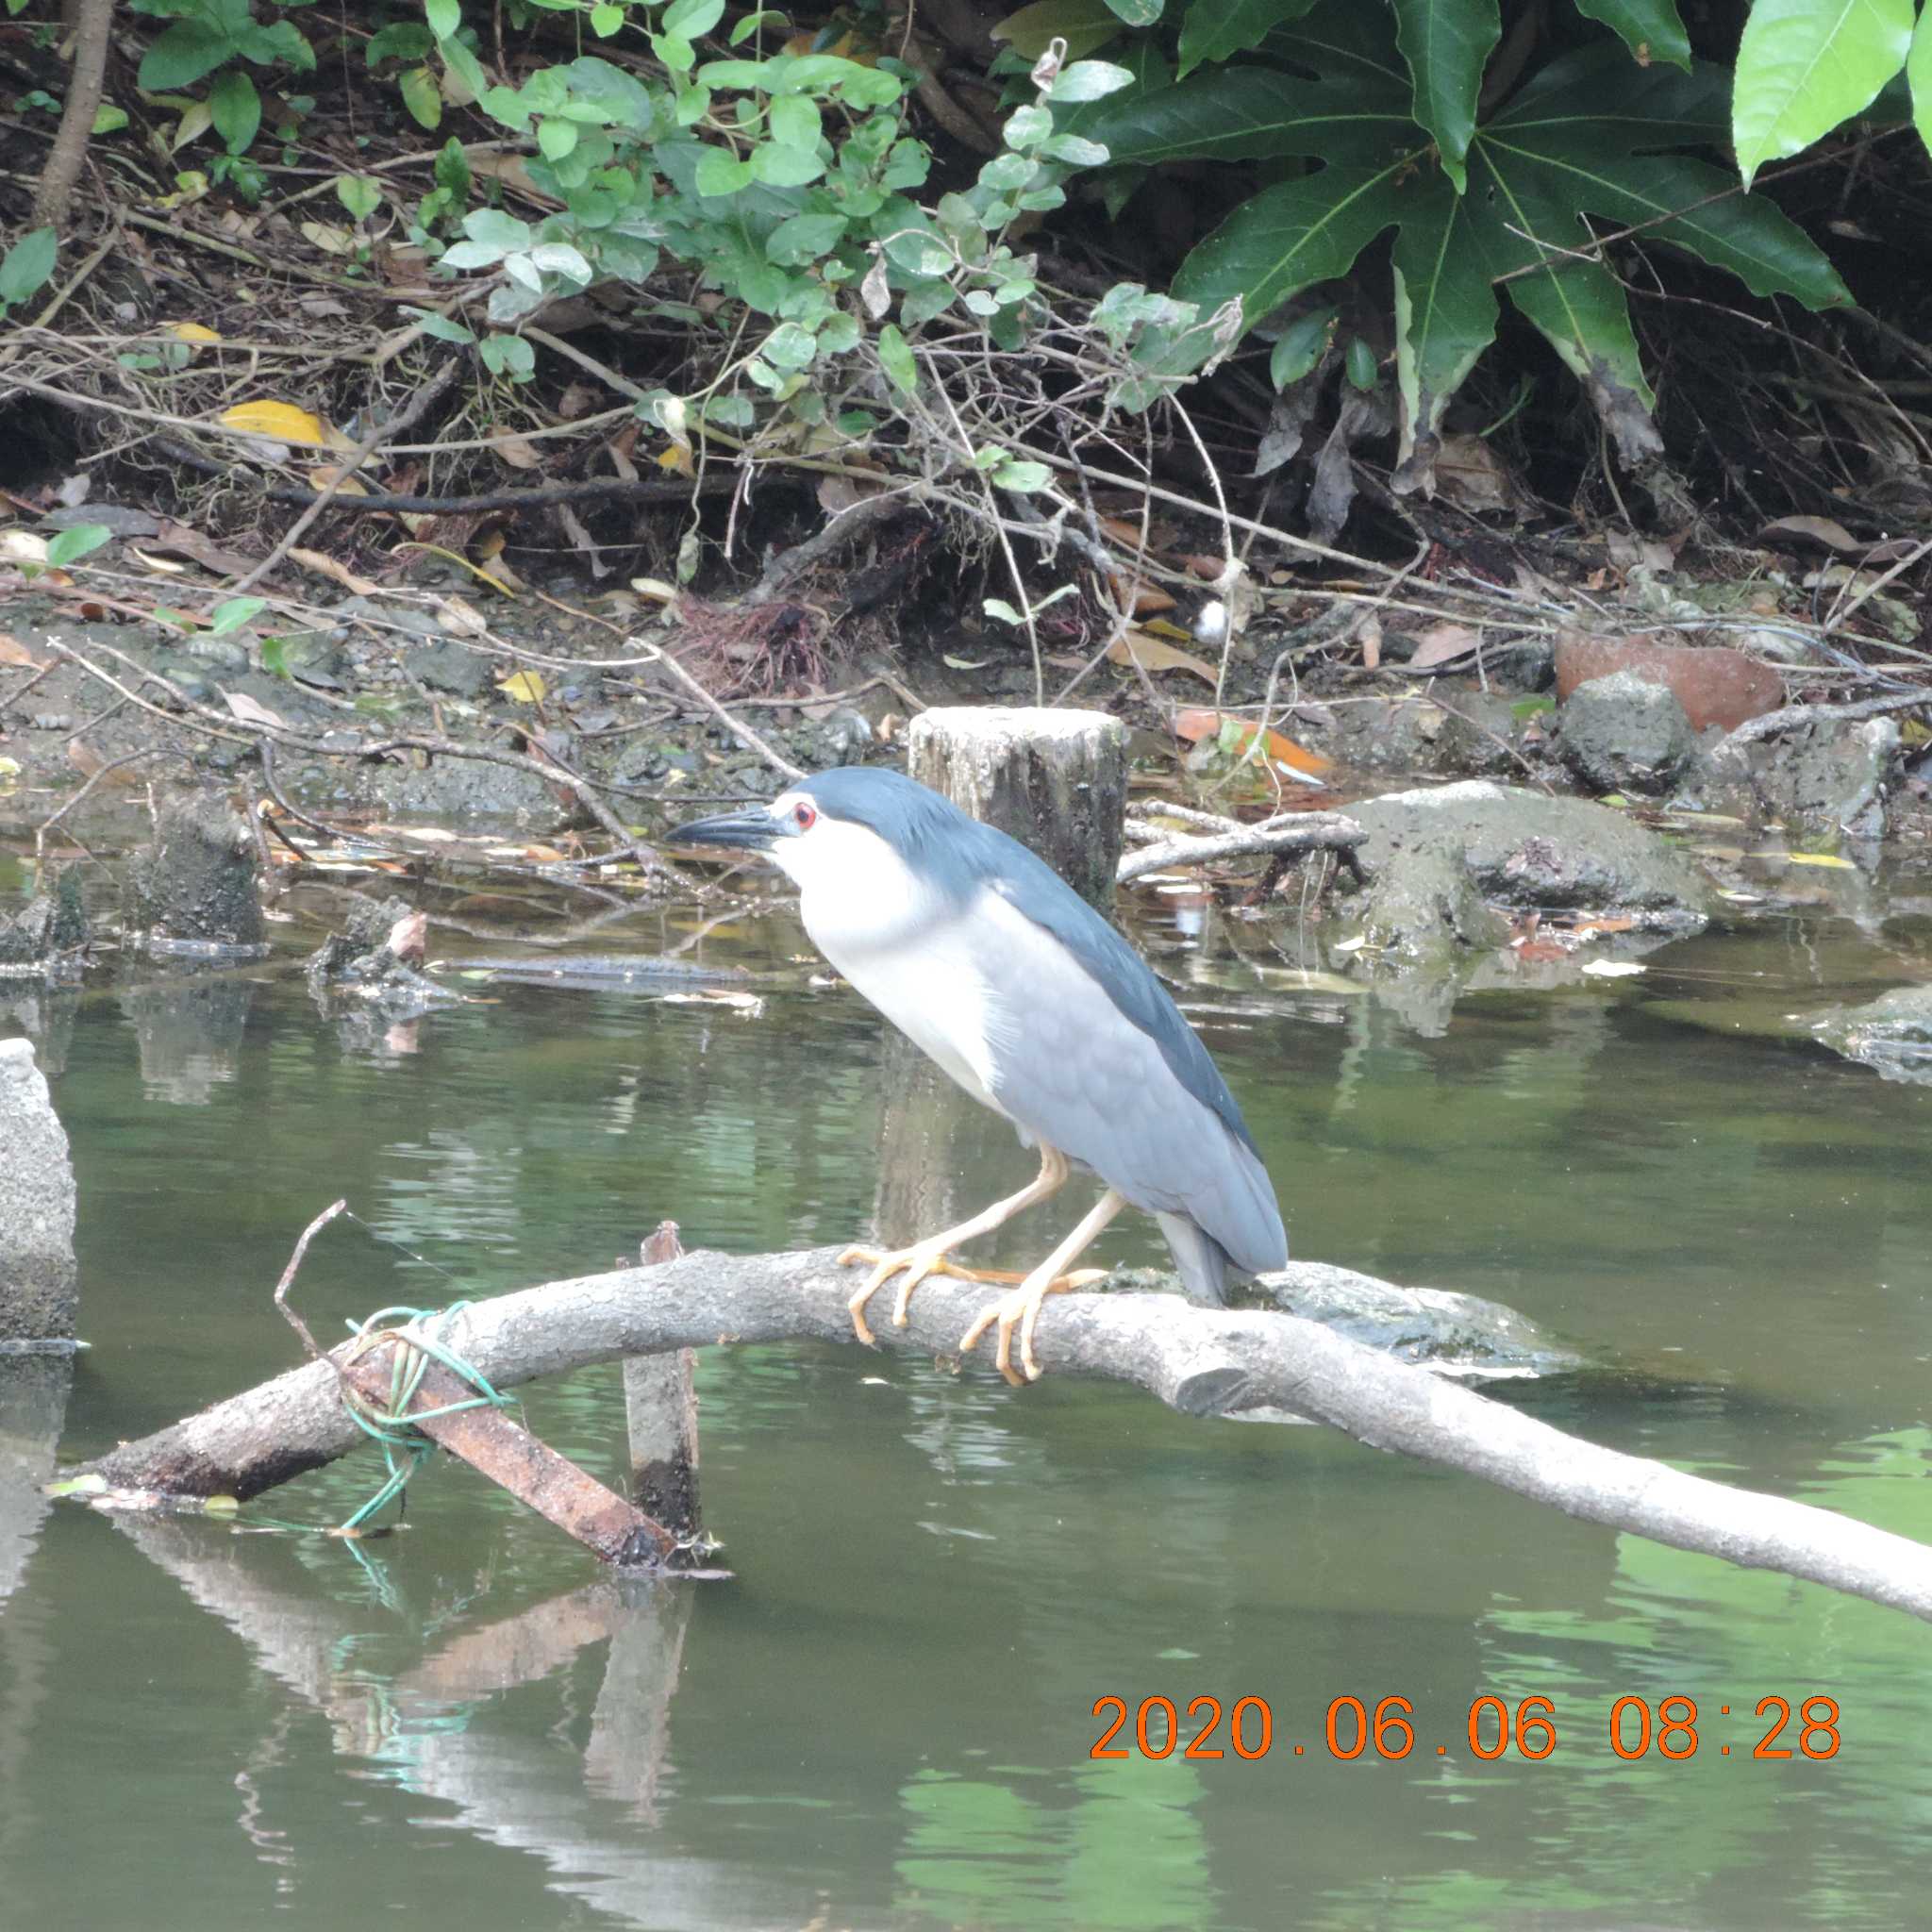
(1203, 1362)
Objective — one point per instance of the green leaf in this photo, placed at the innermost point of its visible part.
(232, 613)
(1217, 29)
(721, 173)
(509, 356)
(75, 542)
(742, 31)
(1075, 150)
(606, 20)
(805, 238)
(1136, 12)
(1088, 81)
(421, 96)
(557, 138)
(452, 169)
(28, 265)
(1919, 73)
(1360, 364)
(688, 19)
(1652, 30)
(1301, 346)
(1028, 127)
(359, 195)
(1022, 478)
(784, 167)
(497, 230)
(402, 40)
(185, 52)
(1448, 45)
(108, 119)
(794, 122)
(840, 335)
(235, 109)
(1806, 65)
(789, 347)
(444, 17)
(275, 657)
(1084, 24)
(896, 359)
(440, 326)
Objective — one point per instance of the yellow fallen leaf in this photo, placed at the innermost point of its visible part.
(192, 332)
(283, 422)
(1151, 654)
(677, 460)
(1826, 858)
(523, 687)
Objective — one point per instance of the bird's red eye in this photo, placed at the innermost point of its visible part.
(804, 816)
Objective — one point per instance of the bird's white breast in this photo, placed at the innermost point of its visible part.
(903, 945)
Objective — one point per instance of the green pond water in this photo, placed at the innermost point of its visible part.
(886, 1717)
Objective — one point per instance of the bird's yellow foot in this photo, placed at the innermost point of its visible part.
(1021, 1309)
(918, 1261)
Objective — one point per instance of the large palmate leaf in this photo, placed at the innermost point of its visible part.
(1593, 135)
(1448, 45)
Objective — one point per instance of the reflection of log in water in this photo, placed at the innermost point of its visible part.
(431, 1718)
(190, 1032)
(46, 1016)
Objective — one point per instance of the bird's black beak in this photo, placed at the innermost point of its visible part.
(749, 830)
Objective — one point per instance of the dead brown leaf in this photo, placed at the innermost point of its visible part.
(326, 566)
(250, 712)
(1151, 654)
(514, 450)
(1441, 642)
(13, 652)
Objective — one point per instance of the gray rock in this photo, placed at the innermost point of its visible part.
(49, 933)
(196, 882)
(1431, 1327)
(1442, 861)
(1479, 733)
(1891, 1035)
(1622, 734)
(1826, 778)
(37, 1294)
(1387, 734)
(450, 667)
(1525, 663)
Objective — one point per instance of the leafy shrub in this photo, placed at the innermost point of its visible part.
(1386, 101)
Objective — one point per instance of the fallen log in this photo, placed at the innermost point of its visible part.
(1201, 1361)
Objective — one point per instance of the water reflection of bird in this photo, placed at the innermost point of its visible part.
(1036, 1006)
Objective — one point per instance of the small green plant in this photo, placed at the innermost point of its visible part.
(208, 37)
(28, 267)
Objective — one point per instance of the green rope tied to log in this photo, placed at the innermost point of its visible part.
(418, 1335)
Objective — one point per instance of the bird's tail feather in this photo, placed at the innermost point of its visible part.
(1202, 1260)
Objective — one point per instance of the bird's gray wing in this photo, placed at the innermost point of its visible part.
(1072, 1066)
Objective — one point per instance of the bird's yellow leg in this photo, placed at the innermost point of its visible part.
(1023, 1306)
(929, 1256)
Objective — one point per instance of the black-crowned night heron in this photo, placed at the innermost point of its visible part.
(1036, 1006)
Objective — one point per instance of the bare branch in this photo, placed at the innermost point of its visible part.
(1199, 1362)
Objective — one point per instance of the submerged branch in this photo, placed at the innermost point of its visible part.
(1203, 1362)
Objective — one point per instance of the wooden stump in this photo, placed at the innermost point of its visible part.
(661, 1406)
(1054, 780)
